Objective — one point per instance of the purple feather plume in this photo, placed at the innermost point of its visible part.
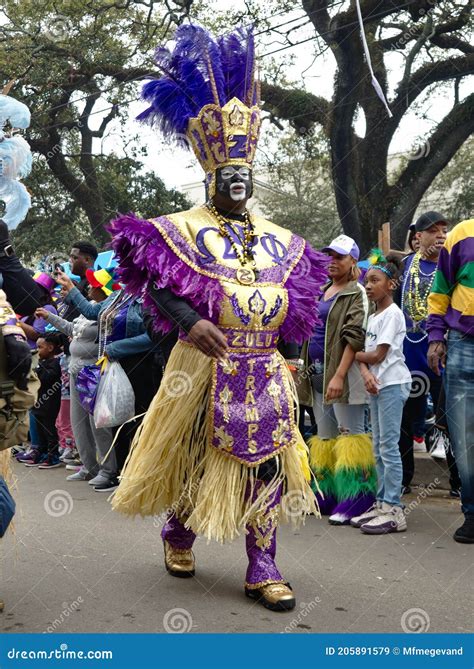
(190, 71)
(303, 286)
(144, 258)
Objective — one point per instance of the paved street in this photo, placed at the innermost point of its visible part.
(75, 566)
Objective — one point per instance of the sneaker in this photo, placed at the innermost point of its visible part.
(24, 456)
(36, 459)
(51, 462)
(72, 457)
(67, 455)
(111, 485)
(430, 420)
(374, 511)
(338, 519)
(74, 468)
(455, 492)
(465, 533)
(438, 452)
(406, 490)
(419, 445)
(81, 475)
(391, 519)
(99, 479)
(74, 462)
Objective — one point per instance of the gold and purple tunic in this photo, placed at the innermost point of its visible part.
(212, 423)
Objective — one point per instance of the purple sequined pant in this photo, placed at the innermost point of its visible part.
(260, 542)
(176, 534)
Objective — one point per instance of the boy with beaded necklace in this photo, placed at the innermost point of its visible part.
(416, 282)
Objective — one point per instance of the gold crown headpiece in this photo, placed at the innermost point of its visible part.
(208, 97)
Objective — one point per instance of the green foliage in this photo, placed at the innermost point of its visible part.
(452, 192)
(300, 195)
(56, 220)
(78, 65)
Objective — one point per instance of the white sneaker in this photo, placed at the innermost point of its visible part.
(338, 519)
(419, 446)
(374, 511)
(81, 475)
(100, 479)
(391, 519)
(438, 452)
(66, 454)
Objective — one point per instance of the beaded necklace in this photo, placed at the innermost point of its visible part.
(107, 317)
(245, 275)
(79, 324)
(415, 304)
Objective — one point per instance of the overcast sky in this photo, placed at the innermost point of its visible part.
(177, 167)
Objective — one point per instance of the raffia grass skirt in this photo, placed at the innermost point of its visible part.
(171, 467)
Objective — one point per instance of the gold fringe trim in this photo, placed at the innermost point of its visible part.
(5, 466)
(171, 468)
(299, 499)
(158, 474)
(7, 472)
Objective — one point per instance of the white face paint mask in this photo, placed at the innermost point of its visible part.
(238, 192)
(235, 182)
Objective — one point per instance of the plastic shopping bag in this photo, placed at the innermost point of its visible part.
(115, 403)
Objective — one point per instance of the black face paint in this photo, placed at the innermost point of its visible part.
(228, 177)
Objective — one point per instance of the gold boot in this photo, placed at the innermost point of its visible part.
(273, 596)
(179, 561)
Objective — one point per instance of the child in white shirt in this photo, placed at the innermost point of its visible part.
(388, 381)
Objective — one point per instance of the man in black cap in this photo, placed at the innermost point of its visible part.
(82, 257)
(418, 276)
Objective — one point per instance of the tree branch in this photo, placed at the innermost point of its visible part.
(452, 42)
(426, 75)
(301, 108)
(417, 177)
(425, 34)
(317, 11)
(105, 122)
(370, 10)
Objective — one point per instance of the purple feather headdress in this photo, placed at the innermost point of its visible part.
(199, 71)
(208, 95)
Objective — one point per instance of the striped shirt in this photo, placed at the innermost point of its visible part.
(451, 301)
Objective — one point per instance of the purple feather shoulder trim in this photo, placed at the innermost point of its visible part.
(304, 286)
(144, 256)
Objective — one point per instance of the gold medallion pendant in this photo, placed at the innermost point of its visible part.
(246, 276)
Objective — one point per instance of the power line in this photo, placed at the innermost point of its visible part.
(270, 29)
(329, 32)
(355, 23)
(305, 15)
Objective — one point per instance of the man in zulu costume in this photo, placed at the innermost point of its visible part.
(219, 447)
